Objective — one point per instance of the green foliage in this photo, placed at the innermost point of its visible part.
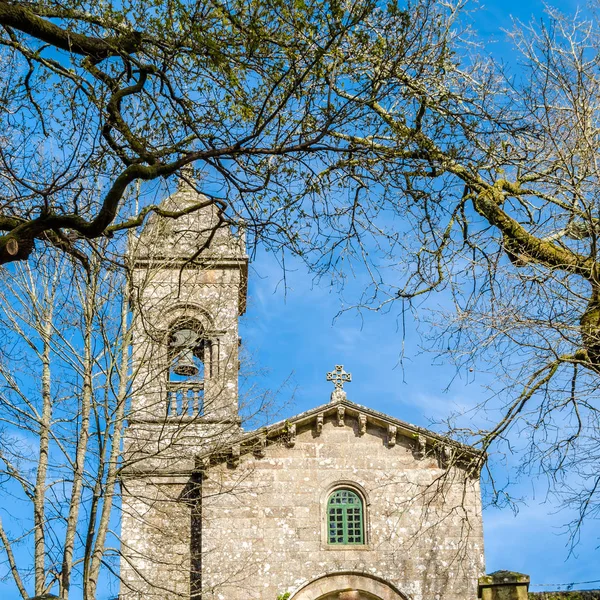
(253, 92)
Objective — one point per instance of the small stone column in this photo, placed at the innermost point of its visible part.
(503, 585)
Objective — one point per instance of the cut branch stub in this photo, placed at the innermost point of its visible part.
(13, 248)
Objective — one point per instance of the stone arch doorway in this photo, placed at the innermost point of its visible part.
(348, 586)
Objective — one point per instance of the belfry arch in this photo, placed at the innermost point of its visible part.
(348, 586)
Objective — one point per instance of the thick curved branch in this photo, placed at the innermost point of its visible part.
(488, 198)
(19, 17)
(488, 204)
(170, 214)
(18, 243)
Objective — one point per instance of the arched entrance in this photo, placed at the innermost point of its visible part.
(348, 586)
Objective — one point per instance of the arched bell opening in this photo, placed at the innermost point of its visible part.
(190, 358)
(187, 355)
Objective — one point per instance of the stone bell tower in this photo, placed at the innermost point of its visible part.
(189, 288)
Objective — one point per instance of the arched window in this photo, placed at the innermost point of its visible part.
(345, 519)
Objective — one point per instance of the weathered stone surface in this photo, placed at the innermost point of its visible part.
(423, 524)
(210, 509)
(503, 585)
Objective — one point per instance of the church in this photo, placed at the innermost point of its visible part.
(340, 502)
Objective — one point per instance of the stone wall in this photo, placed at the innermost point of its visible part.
(155, 529)
(264, 526)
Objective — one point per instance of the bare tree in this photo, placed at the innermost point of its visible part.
(66, 382)
(64, 377)
(486, 185)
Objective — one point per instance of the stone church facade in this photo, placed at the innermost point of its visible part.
(340, 502)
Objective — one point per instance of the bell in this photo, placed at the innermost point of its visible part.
(184, 364)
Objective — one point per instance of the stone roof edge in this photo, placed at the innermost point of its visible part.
(253, 440)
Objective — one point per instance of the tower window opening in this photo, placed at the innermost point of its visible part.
(189, 354)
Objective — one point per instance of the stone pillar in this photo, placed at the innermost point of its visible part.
(503, 585)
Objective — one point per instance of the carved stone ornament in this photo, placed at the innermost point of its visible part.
(291, 435)
(421, 446)
(319, 423)
(362, 424)
(392, 431)
(341, 413)
(338, 395)
(261, 448)
(445, 455)
(448, 454)
(338, 376)
(234, 459)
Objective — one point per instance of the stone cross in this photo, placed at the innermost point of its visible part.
(339, 377)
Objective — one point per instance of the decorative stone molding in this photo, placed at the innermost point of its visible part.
(335, 584)
(420, 442)
(362, 424)
(421, 447)
(291, 435)
(446, 456)
(319, 423)
(234, 458)
(261, 447)
(392, 432)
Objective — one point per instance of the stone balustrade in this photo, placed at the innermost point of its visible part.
(185, 398)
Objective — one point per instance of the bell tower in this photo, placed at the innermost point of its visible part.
(188, 290)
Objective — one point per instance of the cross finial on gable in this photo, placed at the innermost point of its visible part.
(338, 376)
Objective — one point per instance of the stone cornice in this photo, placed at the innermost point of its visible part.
(424, 442)
(209, 262)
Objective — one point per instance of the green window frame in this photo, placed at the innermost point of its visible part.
(345, 523)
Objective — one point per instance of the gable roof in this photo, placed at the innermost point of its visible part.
(424, 442)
